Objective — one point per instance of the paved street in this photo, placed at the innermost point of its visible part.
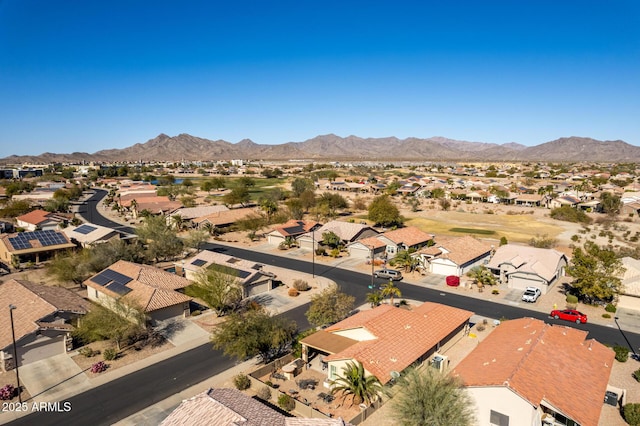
(124, 396)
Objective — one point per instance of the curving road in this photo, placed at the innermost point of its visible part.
(123, 397)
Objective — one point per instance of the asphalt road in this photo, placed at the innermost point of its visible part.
(123, 397)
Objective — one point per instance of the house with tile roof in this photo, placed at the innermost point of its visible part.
(290, 229)
(363, 247)
(230, 407)
(90, 234)
(406, 238)
(188, 214)
(40, 220)
(34, 246)
(527, 372)
(42, 320)
(225, 218)
(157, 292)
(250, 276)
(348, 232)
(387, 339)
(454, 255)
(523, 266)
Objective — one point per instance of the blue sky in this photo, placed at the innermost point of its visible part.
(85, 76)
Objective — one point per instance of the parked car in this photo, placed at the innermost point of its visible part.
(531, 294)
(391, 274)
(569, 315)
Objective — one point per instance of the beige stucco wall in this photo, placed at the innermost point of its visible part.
(504, 401)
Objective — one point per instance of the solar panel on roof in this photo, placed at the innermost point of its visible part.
(118, 288)
(116, 276)
(198, 262)
(100, 279)
(294, 229)
(85, 229)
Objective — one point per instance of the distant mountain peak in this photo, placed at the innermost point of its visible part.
(353, 148)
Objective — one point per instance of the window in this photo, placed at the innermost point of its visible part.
(332, 372)
(498, 419)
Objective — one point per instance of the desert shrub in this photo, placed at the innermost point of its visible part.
(242, 382)
(269, 383)
(622, 353)
(293, 292)
(543, 241)
(636, 375)
(631, 413)
(495, 291)
(480, 327)
(286, 402)
(196, 313)
(110, 354)
(88, 352)
(571, 299)
(7, 392)
(610, 308)
(264, 393)
(320, 251)
(334, 252)
(569, 214)
(606, 316)
(301, 285)
(98, 367)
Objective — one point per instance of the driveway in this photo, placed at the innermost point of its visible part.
(50, 379)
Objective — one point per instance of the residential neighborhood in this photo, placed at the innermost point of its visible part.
(166, 266)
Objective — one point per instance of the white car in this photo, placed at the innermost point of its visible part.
(531, 294)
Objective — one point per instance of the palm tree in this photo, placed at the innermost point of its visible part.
(375, 298)
(390, 289)
(354, 382)
(430, 397)
(404, 259)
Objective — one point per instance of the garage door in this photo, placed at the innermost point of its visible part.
(522, 283)
(167, 313)
(359, 252)
(41, 348)
(440, 269)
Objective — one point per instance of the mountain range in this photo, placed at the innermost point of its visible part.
(351, 148)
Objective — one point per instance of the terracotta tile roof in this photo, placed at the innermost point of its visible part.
(228, 217)
(294, 227)
(34, 217)
(151, 288)
(409, 236)
(370, 241)
(189, 213)
(462, 249)
(345, 230)
(541, 362)
(400, 336)
(157, 204)
(33, 302)
(540, 261)
(228, 407)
